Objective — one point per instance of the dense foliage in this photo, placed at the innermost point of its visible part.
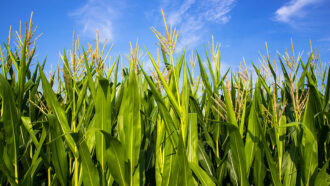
(85, 125)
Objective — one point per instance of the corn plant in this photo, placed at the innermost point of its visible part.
(88, 124)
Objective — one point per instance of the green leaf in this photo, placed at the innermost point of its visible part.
(180, 172)
(171, 128)
(89, 77)
(242, 123)
(252, 134)
(129, 124)
(238, 158)
(290, 175)
(10, 122)
(286, 76)
(90, 174)
(5, 169)
(229, 106)
(59, 113)
(185, 104)
(115, 158)
(201, 175)
(192, 142)
(323, 177)
(28, 126)
(169, 93)
(209, 64)
(31, 172)
(81, 98)
(36, 161)
(262, 80)
(259, 168)
(204, 160)
(309, 140)
(271, 164)
(67, 75)
(59, 155)
(102, 117)
(204, 75)
(280, 142)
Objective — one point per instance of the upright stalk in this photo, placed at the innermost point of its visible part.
(74, 130)
(49, 168)
(175, 79)
(74, 106)
(15, 167)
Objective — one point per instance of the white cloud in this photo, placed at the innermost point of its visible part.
(176, 15)
(218, 10)
(190, 33)
(293, 9)
(191, 16)
(96, 15)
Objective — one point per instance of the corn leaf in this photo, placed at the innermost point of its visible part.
(59, 113)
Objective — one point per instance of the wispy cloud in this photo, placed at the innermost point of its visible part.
(293, 9)
(96, 15)
(191, 18)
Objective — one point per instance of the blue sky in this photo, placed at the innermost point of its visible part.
(241, 27)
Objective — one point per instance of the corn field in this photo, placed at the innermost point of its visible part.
(86, 124)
